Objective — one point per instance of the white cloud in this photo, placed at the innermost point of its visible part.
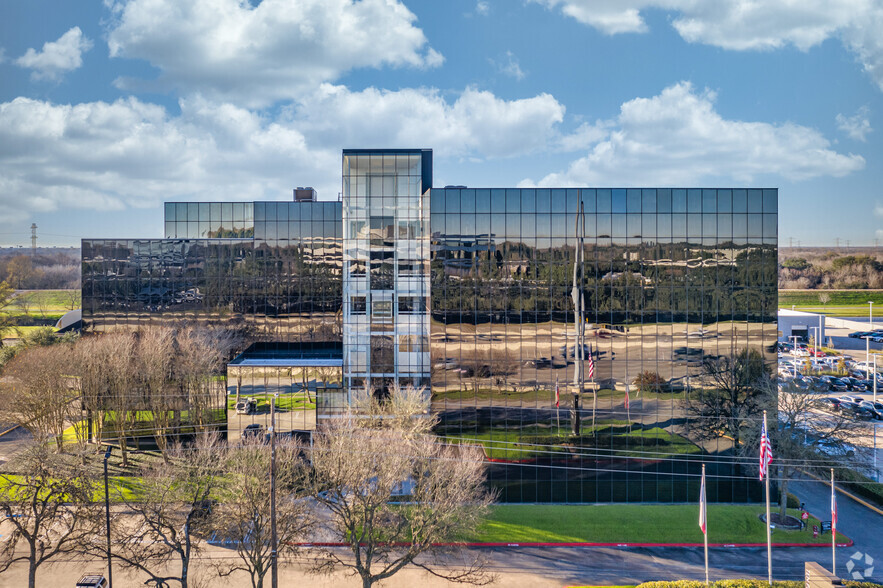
(748, 24)
(105, 156)
(482, 8)
(677, 138)
(128, 153)
(509, 66)
(878, 210)
(856, 126)
(229, 50)
(477, 124)
(57, 57)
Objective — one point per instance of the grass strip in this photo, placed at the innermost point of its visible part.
(635, 523)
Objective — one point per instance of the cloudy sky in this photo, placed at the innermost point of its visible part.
(109, 108)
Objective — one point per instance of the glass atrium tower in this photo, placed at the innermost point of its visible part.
(386, 268)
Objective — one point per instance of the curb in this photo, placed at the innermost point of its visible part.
(9, 430)
(590, 544)
(846, 493)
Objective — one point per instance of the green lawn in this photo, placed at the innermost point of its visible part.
(607, 435)
(284, 402)
(842, 303)
(633, 523)
(15, 332)
(54, 300)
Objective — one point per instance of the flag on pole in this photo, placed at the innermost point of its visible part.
(557, 394)
(702, 505)
(591, 369)
(833, 510)
(626, 396)
(766, 450)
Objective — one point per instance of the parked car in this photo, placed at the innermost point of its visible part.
(252, 430)
(860, 412)
(832, 403)
(247, 406)
(872, 407)
(853, 384)
(847, 400)
(92, 581)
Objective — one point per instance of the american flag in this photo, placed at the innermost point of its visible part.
(766, 450)
(591, 370)
(703, 520)
(557, 396)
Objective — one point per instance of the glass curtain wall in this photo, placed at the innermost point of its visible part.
(671, 277)
(385, 270)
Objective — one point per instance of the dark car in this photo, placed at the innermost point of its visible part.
(253, 430)
(854, 384)
(832, 403)
(859, 412)
(874, 408)
(92, 581)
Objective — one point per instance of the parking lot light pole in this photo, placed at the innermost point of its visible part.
(871, 314)
(107, 517)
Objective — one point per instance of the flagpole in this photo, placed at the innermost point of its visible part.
(705, 521)
(769, 533)
(833, 527)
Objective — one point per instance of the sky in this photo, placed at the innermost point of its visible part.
(108, 109)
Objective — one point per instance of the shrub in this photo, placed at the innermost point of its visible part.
(649, 382)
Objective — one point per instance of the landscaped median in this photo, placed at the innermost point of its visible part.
(637, 525)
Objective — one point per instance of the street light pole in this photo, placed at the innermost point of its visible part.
(107, 518)
(274, 554)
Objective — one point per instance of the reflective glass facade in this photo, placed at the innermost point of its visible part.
(670, 276)
(469, 292)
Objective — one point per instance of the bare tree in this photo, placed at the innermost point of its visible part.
(49, 507)
(72, 299)
(243, 515)
(123, 400)
(805, 424)
(38, 395)
(201, 356)
(171, 514)
(7, 295)
(90, 362)
(359, 470)
(734, 390)
(155, 368)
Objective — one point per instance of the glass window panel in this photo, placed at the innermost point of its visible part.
(725, 226)
(618, 202)
(771, 201)
(740, 226)
(513, 201)
(740, 201)
(204, 210)
(316, 212)
(437, 201)
(770, 227)
(498, 201)
(238, 211)
(260, 212)
(482, 224)
(755, 224)
(452, 201)
(709, 225)
(544, 200)
(572, 201)
(709, 201)
(648, 200)
(679, 225)
(402, 164)
(694, 200)
(192, 211)
(663, 200)
(171, 230)
(270, 211)
(694, 226)
(170, 209)
(544, 225)
(467, 200)
(227, 212)
(663, 226)
(559, 200)
(588, 198)
(483, 201)
(605, 202)
(215, 213)
(725, 201)
(679, 200)
(648, 226)
(633, 225)
(618, 229)
(528, 200)
(633, 200)
(282, 211)
(755, 201)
